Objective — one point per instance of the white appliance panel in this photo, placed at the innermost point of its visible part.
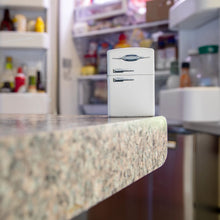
(144, 65)
(131, 89)
(132, 97)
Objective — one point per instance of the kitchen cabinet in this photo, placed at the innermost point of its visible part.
(30, 49)
(165, 194)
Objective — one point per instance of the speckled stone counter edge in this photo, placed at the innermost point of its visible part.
(57, 175)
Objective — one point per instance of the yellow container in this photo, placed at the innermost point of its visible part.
(39, 26)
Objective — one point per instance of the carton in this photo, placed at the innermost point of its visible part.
(158, 10)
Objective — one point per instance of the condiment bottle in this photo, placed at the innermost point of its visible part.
(170, 51)
(160, 54)
(185, 77)
(40, 87)
(173, 81)
(209, 59)
(20, 23)
(31, 25)
(6, 24)
(194, 72)
(7, 78)
(122, 42)
(20, 81)
(32, 84)
(102, 57)
(39, 26)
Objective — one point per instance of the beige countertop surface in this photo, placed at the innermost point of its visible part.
(55, 167)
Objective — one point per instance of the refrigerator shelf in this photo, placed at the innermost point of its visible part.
(196, 13)
(93, 77)
(158, 74)
(13, 103)
(36, 4)
(191, 104)
(101, 11)
(95, 109)
(9, 39)
(121, 29)
(162, 73)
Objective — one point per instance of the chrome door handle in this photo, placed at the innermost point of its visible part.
(121, 79)
(121, 70)
(130, 57)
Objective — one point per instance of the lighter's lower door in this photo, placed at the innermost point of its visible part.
(131, 95)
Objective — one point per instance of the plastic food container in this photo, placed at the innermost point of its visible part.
(209, 65)
(194, 72)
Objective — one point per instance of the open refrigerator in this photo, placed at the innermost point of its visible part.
(33, 51)
(198, 24)
(87, 94)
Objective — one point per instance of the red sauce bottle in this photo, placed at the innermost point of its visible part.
(20, 81)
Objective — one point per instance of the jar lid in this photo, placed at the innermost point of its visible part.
(185, 65)
(208, 49)
(192, 52)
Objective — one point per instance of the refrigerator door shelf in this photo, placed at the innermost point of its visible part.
(195, 104)
(24, 103)
(39, 4)
(190, 14)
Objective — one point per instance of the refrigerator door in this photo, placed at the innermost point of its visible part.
(207, 176)
(131, 95)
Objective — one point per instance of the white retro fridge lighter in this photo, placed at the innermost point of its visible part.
(131, 82)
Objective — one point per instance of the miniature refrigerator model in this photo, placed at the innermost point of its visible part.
(131, 82)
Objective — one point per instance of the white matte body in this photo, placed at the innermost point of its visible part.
(135, 97)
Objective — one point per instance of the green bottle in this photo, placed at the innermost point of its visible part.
(7, 78)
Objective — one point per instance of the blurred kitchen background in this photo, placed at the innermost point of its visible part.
(53, 60)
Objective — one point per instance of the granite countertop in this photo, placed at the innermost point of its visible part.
(55, 167)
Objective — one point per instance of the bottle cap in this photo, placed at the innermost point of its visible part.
(122, 37)
(9, 59)
(185, 65)
(20, 70)
(208, 49)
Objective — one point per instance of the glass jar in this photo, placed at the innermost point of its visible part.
(209, 65)
(173, 80)
(194, 72)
